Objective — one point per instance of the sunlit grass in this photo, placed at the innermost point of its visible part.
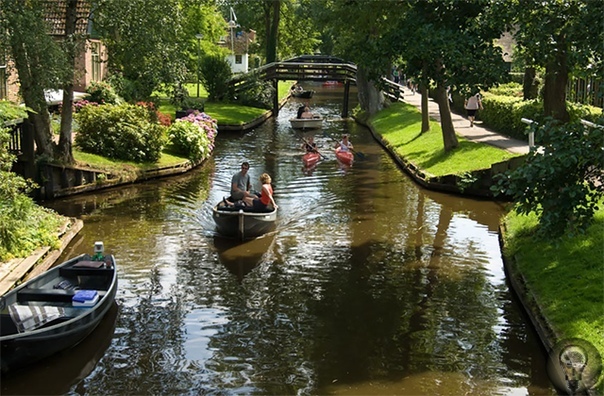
(104, 163)
(566, 276)
(400, 126)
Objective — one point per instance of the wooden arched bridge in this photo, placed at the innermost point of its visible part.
(313, 68)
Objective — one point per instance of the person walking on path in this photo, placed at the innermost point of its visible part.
(472, 104)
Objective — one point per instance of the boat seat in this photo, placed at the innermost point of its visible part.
(85, 271)
(247, 209)
(49, 295)
(31, 317)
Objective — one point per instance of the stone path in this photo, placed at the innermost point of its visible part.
(477, 133)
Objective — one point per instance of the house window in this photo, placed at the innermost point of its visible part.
(95, 49)
(3, 76)
(238, 59)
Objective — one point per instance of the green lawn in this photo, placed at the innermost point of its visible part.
(400, 125)
(566, 276)
(225, 113)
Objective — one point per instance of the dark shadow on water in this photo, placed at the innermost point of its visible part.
(57, 374)
(240, 258)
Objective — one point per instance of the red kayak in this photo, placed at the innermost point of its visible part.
(345, 157)
(310, 159)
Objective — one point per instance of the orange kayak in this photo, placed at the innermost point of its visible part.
(346, 157)
(310, 159)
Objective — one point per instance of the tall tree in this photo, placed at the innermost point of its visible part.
(272, 16)
(73, 42)
(146, 42)
(38, 60)
(449, 43)
(563, 36)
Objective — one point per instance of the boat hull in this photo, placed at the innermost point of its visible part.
(303, 94)
(306, 123)
(310, 159)
(19, 349)
(243, 223)
(346, 157)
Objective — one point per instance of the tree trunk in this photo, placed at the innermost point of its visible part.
(529, 84)
(554, 90)
(446, 123)
(64, 152)
(33, 96)
(371, 99)
(425, 114)
(272, 9)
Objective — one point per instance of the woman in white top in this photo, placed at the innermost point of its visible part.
(472, 104)
(344, 144)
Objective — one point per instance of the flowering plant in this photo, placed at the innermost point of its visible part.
(194, 135)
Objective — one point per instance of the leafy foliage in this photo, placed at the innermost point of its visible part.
(102, 92)
(215, 74)
(194, 135)
(562, 181)
(256, 93)
(24, 226)
(126, 132)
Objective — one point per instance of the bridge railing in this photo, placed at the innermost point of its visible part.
(311, 68)
(297, 71)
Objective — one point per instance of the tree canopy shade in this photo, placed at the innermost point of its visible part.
(448, 43)
(40, 61)
(563, 36)
(286, 28)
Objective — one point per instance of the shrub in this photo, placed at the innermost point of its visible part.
(256, 93)
(504, 113)
(562, 183)
(193, 135)
(101, 92)
(24, 226)
(126, 132)
(215, 73)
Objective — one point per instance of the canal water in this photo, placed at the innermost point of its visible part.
(369, 285)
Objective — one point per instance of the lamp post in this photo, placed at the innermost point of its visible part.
(199, 36)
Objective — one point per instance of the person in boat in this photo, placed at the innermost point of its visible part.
(344, 144)
(300, 111)
(241, 185)
(266, 200)
(306, 114)
(310, 146)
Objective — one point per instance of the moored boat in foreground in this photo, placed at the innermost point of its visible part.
(57, 309)
(243, 222)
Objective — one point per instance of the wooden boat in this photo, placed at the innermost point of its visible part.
(310, 159)
(345, 157)
(243, 222)
(306, 123)
(303, 94)
(43, 316)
(331, 83)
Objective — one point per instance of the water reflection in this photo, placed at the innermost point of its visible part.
(369, 285)
(54, 376)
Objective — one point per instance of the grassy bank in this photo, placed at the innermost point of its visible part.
(566, 276)
(400, 125)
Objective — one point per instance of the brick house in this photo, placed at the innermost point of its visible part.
(89, 65)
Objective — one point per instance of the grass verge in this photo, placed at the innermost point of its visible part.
(400, 125)
(566, 276)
